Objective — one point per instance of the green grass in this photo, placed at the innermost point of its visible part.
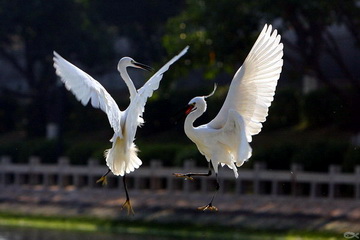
(180, 230)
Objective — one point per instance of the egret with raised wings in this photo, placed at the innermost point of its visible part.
(225, 139)
(122, 157)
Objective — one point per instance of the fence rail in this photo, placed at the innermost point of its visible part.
(257, 181)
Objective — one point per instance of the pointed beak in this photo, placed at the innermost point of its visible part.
(182, 113)
(143, 66)
(189, 108)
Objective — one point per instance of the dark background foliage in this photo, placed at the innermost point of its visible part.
(314, 128)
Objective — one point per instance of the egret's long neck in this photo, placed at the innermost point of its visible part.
(190, 119)
(129, 83)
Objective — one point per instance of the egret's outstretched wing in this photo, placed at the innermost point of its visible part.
(152, 84)
(253, 86)
(137, 106)
(85, 88)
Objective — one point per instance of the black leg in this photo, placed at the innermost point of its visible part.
(190, 175)
(125, 187)
(210, 205)
(103, 179)
(127, 203)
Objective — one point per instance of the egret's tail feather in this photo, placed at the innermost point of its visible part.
(120, 160)
(245, 152)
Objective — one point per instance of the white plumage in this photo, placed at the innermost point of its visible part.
(122, 157)
(225, 139)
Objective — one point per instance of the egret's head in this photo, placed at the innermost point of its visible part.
(129, 62)
(198, 103)
(195, 103)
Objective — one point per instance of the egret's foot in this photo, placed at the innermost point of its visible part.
(128, 207)
(103, 180)
(208, 207)
(186, 176)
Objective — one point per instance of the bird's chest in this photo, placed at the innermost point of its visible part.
(204, 139)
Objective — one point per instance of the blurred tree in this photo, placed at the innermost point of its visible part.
(30, 31)
(311, 22)
(221, 33)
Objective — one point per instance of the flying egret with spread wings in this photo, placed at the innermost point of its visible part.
(225, 139)
(122, 157)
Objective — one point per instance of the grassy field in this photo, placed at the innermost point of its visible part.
(180, 231)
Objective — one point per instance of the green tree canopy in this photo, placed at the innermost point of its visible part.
(220, 34)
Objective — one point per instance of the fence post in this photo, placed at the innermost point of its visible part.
(63, 164)
(333, 170)
(92, 165)
(34, 162)
(47, 181)
(204, 184)
(274, 188)
(19, 176)
(170, 184)
(154, 178)
(258, 167)
(313, 190)
(238, 186)
(138, 182)
(189, 165)
(295, 187)
(4, 161)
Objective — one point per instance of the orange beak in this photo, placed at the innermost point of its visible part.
(189, 108)
(183, 113)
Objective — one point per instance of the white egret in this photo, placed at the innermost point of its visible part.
(225, 139)
(122, 157)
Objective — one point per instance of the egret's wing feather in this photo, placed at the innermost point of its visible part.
(253, 86)
(85, 88)
(137, 106)
(152, 84)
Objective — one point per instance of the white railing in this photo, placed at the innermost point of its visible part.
(257, 181)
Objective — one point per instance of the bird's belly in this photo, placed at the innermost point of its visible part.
(122, 158)
(206, 143)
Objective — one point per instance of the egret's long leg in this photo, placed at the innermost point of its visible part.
(190, 177)
(103, 178)
(127, 204)
(210, 205)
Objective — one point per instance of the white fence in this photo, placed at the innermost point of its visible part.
(257, 181)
